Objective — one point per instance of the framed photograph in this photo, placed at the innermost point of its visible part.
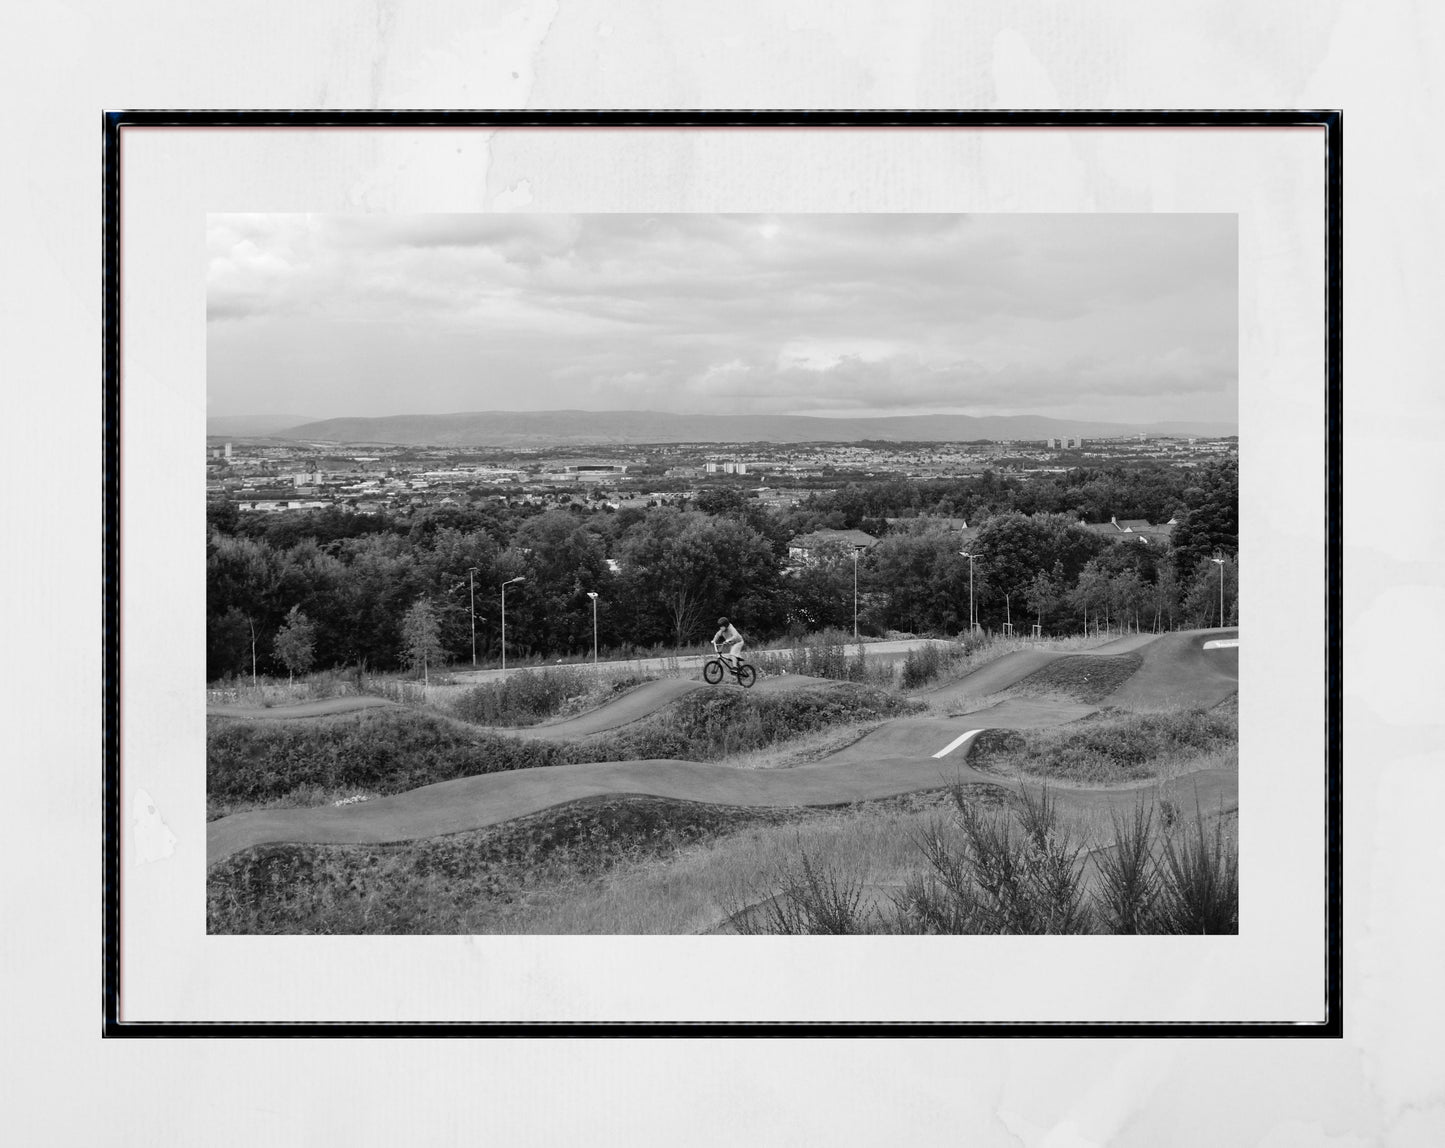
(707, 573)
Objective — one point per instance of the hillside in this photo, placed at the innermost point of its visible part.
(546, 428)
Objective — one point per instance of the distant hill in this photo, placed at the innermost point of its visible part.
(559, 428)
(246, 426)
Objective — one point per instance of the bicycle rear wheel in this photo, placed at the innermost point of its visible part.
(746, 676)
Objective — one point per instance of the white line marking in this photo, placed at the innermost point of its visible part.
(1221, 644)
(956, 742)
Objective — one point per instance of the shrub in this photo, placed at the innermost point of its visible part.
(1129, 880)
(1029, 881)
(810, 898)
(926, 663)
(526, 697)
(713, 724)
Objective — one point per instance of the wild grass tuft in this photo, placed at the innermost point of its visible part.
(1129, 886)
(810, 896)
(1200, 881)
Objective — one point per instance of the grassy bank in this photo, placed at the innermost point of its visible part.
(533, 696)
(1017, 869)
(921, 863)
(1113, 747)
(616, 864)
(715, 725)
(253, 764)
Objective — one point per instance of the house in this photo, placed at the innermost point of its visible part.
(957, 528)
(806, 549)
(1132, 530)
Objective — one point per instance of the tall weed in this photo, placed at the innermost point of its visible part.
(1129, 878)
(1200, 881)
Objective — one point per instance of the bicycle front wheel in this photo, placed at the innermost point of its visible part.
(712, 672)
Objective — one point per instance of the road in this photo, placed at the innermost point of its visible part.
(901, 756)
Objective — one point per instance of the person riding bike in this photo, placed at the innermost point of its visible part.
(728, 633)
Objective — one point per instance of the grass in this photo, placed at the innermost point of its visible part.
(1020, 870)
(604, 865)
(463, 883)
(255, 764)
(641, 865)
(825, 655)
(1113, 747)
(533, 696)
(713, 725)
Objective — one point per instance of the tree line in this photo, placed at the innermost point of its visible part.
(288, 593)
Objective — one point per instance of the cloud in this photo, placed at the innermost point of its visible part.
(719, 312)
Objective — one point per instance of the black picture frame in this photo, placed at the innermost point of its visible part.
(115, 122)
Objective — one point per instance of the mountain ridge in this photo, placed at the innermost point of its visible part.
(576, 427)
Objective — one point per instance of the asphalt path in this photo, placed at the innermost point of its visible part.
(1178, 670)
(1001, 673)
(902, 756)
(489, 799)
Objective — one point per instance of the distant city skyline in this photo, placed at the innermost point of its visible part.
(1121, 318)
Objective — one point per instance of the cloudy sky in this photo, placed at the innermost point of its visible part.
(1128, 318)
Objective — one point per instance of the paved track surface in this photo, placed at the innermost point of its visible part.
(1178, 670)
(1013, 668)
(925, 736)
(477, 802)
(897, 758)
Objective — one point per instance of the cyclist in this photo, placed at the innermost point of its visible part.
(727, 632)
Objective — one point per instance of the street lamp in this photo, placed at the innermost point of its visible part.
(593, 595)
(1220, 563)
(505, 584)
(972, 625)
(472, 589)
(856, 551)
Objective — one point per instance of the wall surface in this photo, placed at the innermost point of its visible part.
(63, 63)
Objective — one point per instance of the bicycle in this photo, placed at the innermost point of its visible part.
(714, 668)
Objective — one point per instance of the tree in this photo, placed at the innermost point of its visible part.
(679, 568)
(1210, 524)
(295, 643)
(421, 638)
(1044, 592)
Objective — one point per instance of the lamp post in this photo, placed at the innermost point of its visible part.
(472, 590)
(505, 584)
(593, 595)
(1220, 563)
(856, 551)
(970, 555)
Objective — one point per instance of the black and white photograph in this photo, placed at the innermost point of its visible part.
(710, 574)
